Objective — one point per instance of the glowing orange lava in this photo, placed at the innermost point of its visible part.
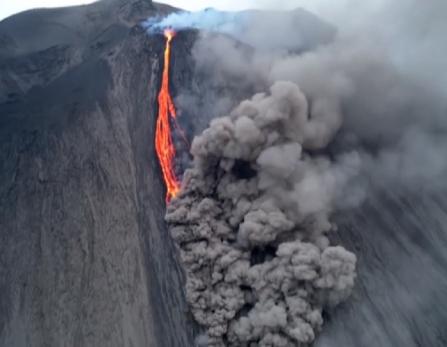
(163, 139)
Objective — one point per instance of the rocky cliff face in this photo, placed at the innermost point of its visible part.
(85, 256)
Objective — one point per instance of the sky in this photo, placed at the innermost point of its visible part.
(8, 8)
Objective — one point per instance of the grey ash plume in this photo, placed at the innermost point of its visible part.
(252, 220)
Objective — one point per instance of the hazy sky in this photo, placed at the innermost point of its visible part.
(9, 7)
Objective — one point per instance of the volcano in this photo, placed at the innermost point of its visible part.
(86, 257)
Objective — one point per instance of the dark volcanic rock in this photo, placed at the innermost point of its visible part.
(85, 258)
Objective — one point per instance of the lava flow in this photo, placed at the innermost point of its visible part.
(163, 139)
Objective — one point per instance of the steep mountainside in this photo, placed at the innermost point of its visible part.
(85, 256)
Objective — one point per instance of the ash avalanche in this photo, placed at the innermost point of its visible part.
(252, 220)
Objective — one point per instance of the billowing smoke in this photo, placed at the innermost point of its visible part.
(333, 117)
(385, 83)
(252, 219)
(209, 19)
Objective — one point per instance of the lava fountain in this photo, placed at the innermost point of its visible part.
(163, 139)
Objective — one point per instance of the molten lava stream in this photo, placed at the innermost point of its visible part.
(163, 139)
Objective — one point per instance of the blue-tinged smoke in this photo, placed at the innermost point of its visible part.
(267, 31)
(208, 19)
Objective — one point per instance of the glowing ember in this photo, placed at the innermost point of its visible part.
(163, 140)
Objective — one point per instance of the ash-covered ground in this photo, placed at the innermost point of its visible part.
(86, 259)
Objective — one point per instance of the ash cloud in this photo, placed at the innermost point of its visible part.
(382, 76)
(384, 72)
(252, 219)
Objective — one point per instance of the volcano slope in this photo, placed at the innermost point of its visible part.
(85, 256)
